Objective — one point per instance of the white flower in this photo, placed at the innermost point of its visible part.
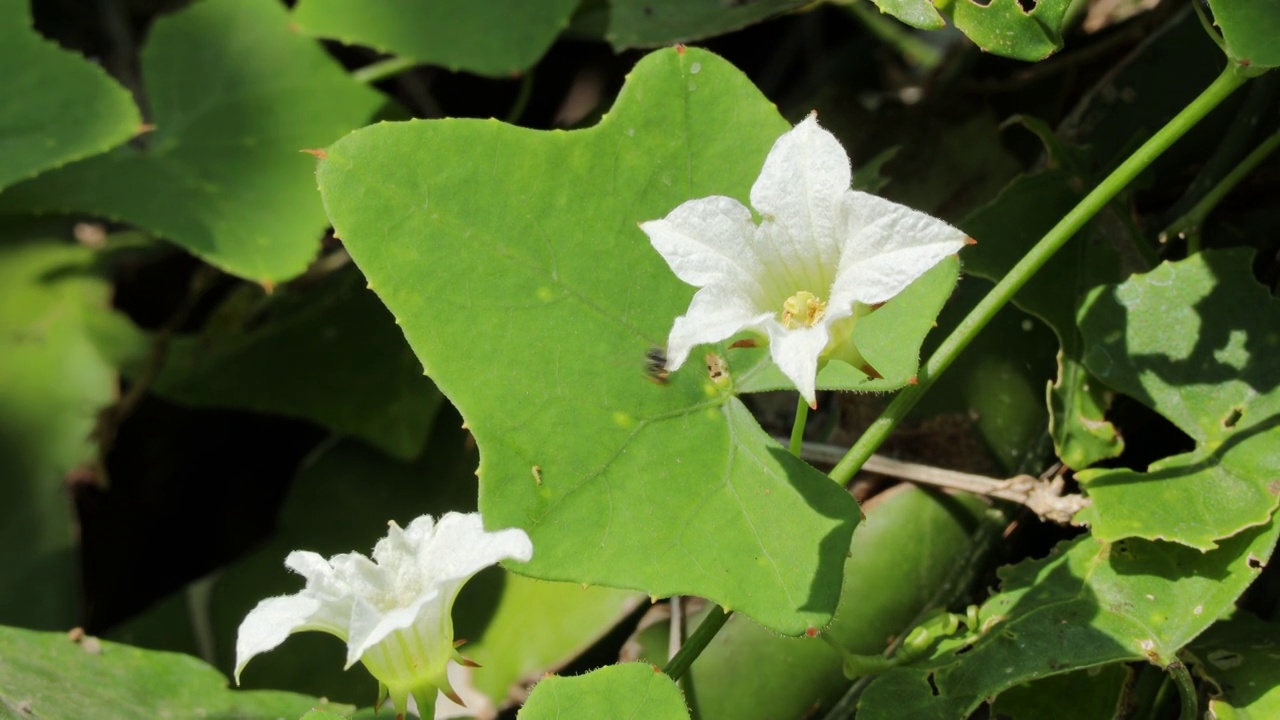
(820, 248)
(395, 611)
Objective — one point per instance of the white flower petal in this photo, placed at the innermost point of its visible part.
(895, 245)
(716, 313)
(800, 188)
(796, 352)
(460, 547)
(370, 626)
(707, 241)
(274, 619)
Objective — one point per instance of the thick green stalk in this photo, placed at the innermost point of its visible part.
(697, 642)
(968, 329)
(797, 428)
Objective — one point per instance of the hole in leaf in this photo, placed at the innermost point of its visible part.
(964, 650)
(981, 3)
(933, 685)
(1256, 563)
(1028, 6)
(1232, 418)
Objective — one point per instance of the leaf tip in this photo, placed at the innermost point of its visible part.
(318, 153)
(680, 48)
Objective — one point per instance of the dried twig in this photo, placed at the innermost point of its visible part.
(1043, 497)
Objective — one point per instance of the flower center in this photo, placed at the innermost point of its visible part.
(803, 309)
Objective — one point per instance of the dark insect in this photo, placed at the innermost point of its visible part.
(655, 366)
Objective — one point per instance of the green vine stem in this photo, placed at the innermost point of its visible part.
(1190, 224)
(968, 329)
(383, 69)
(697, 642)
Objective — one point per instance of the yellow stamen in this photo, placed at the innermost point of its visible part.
(803, 309)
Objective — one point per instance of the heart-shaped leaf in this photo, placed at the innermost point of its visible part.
(495, 37)
(235, 96)
(61, 107)
(1195, 341)
(512, 260)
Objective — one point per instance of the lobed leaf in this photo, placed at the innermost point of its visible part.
(235, 97)
(1196, 341)
(61, 108)
(513, 262)
(496, 37)
(650, 23)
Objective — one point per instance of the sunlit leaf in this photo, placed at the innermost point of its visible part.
(235, 97)
(1215, 378)
(513, 262)
(644, 690)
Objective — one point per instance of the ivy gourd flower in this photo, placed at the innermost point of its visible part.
(821, 254)
(394, 611)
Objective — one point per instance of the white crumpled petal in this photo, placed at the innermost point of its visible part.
(394, 612)
(820, 246)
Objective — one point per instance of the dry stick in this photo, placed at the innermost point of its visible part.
(1043, 497)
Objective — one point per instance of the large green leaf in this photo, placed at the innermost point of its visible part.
(637, 690)
(235, 96)
(329, 353)
(1241, 658)
(649, 23)
(1196, 341)
(1249, 29)
(1087, 604)
(48, 676)
(496, 37)
(60, 106)
(512, 260)
(53, 382)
